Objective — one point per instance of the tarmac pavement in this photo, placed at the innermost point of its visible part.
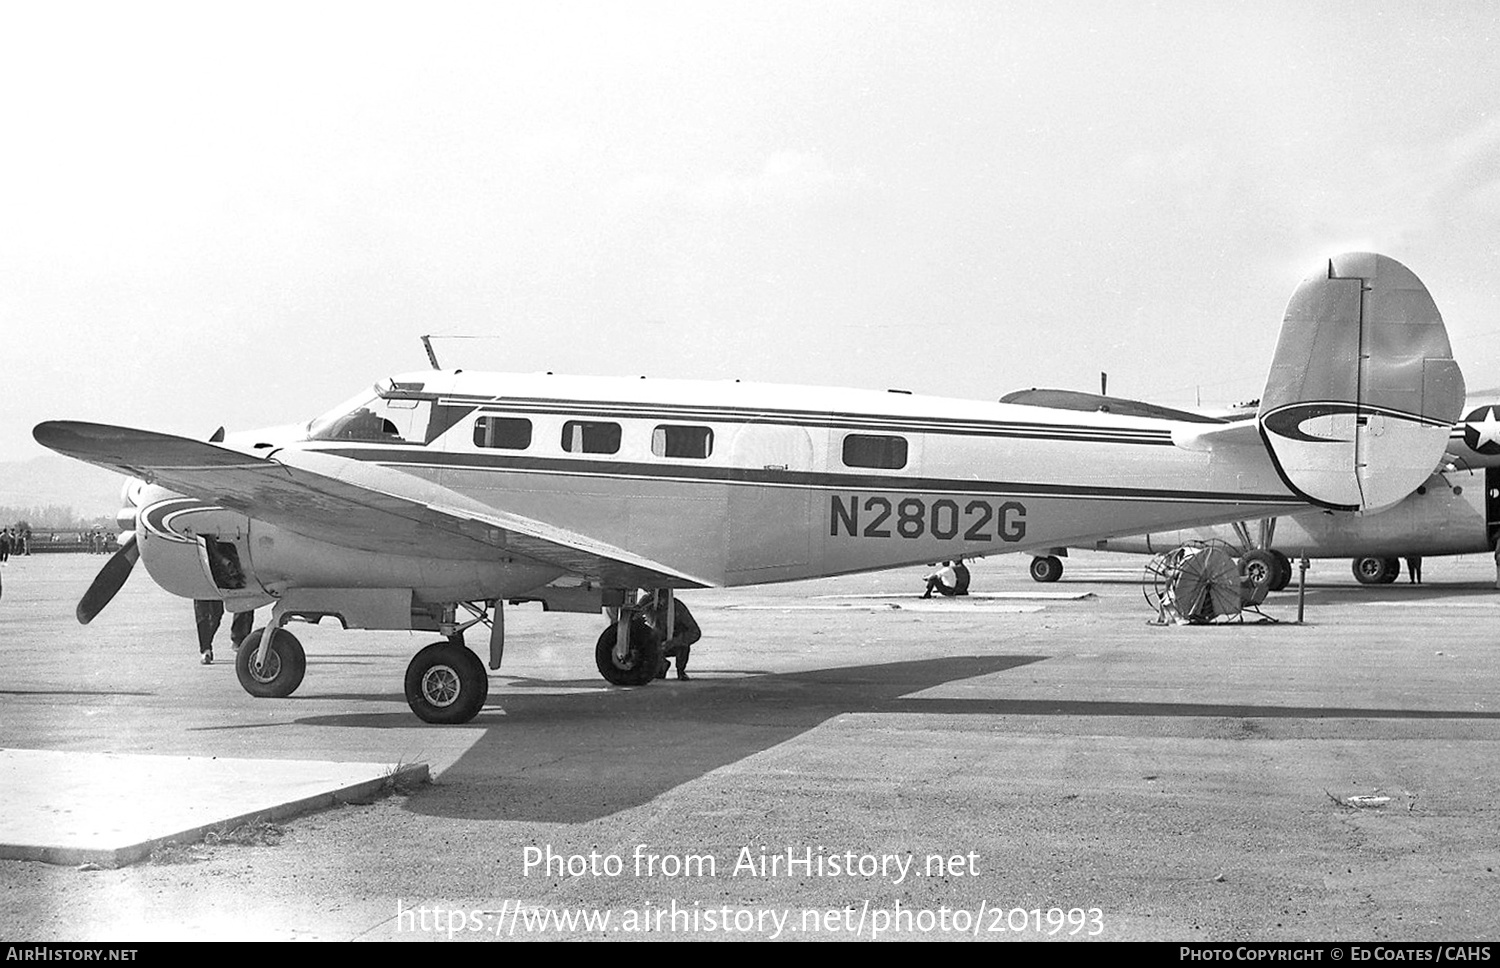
(896, 768)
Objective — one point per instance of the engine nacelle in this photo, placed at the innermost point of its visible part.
(199, 550)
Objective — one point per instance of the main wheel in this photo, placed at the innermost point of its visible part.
(1283, 571)
(446, 684)
(279, 675)
(1262, 570)
(1392, 570)
(1046, 568)
(1375, 571)
(638, 667)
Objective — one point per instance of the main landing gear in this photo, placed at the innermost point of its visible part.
(1046, 568)
(1376, 571)
(446, 682)
(1268, 570)
(274, 672)
(633, 661)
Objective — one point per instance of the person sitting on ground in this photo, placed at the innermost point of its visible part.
(961, 577)
(944, 581)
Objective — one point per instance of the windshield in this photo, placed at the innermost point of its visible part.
(383, 413)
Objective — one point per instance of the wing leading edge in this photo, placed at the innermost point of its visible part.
(352, 503)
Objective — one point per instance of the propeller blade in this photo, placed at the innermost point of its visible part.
(108, 581)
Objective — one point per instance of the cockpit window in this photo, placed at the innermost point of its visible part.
(388, 413)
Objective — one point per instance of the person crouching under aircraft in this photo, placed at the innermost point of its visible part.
(679, 639)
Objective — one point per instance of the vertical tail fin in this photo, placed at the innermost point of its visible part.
(1363, 390)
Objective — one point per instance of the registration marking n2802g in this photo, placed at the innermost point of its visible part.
(914, 517)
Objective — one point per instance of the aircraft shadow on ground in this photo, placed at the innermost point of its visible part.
(581, 757)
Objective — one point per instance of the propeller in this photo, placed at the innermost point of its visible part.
(108, 581)
(112, 576)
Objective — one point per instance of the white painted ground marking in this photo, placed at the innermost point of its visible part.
(888, 606)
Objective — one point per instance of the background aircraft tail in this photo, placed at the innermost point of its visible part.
(1363, 390)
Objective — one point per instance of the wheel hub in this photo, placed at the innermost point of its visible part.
(268, 670)
(440, 685)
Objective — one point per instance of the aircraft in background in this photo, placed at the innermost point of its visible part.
(1454, 512)
(432, 499)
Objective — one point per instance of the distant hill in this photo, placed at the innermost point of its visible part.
(56, 481)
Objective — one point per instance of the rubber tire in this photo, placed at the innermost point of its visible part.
(1046, 568)
(1392, 570)
(446, 684)
(286, 663)
(1373, 571)
(1284, 571)
(1262, 569)
(640, 666)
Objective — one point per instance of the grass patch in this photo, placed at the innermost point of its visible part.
(256, 833)
(172, 852)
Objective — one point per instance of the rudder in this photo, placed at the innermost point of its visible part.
(1363, 390)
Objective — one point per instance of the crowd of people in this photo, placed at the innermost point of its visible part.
(14, 541)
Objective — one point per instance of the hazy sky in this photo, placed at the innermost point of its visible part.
(240, 214)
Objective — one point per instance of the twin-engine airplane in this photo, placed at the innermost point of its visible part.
(434, 498)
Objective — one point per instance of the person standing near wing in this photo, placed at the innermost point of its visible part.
(208, 613)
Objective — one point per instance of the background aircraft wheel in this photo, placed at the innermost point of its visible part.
(1375, 571)
(1283, 571)
(1262, 570)
(639, 667)
(280, 674)
(1046, 568)
(446, 684)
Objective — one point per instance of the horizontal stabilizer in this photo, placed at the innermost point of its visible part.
(1207, 437)
(1363, 390)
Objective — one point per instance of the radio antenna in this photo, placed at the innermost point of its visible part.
(431, 356)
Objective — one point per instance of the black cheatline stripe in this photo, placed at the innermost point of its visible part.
(621, 410)
(779, 478)
(1100, 435)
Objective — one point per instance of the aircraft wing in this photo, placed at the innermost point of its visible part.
(352, 503)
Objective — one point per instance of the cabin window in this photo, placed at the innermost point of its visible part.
(587, 437)
(671, 440)
(868, 450)
(506, 433)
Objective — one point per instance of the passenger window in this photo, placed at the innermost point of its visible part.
(866, 450)
(677, 441)
(507, 433)
(585, 437)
